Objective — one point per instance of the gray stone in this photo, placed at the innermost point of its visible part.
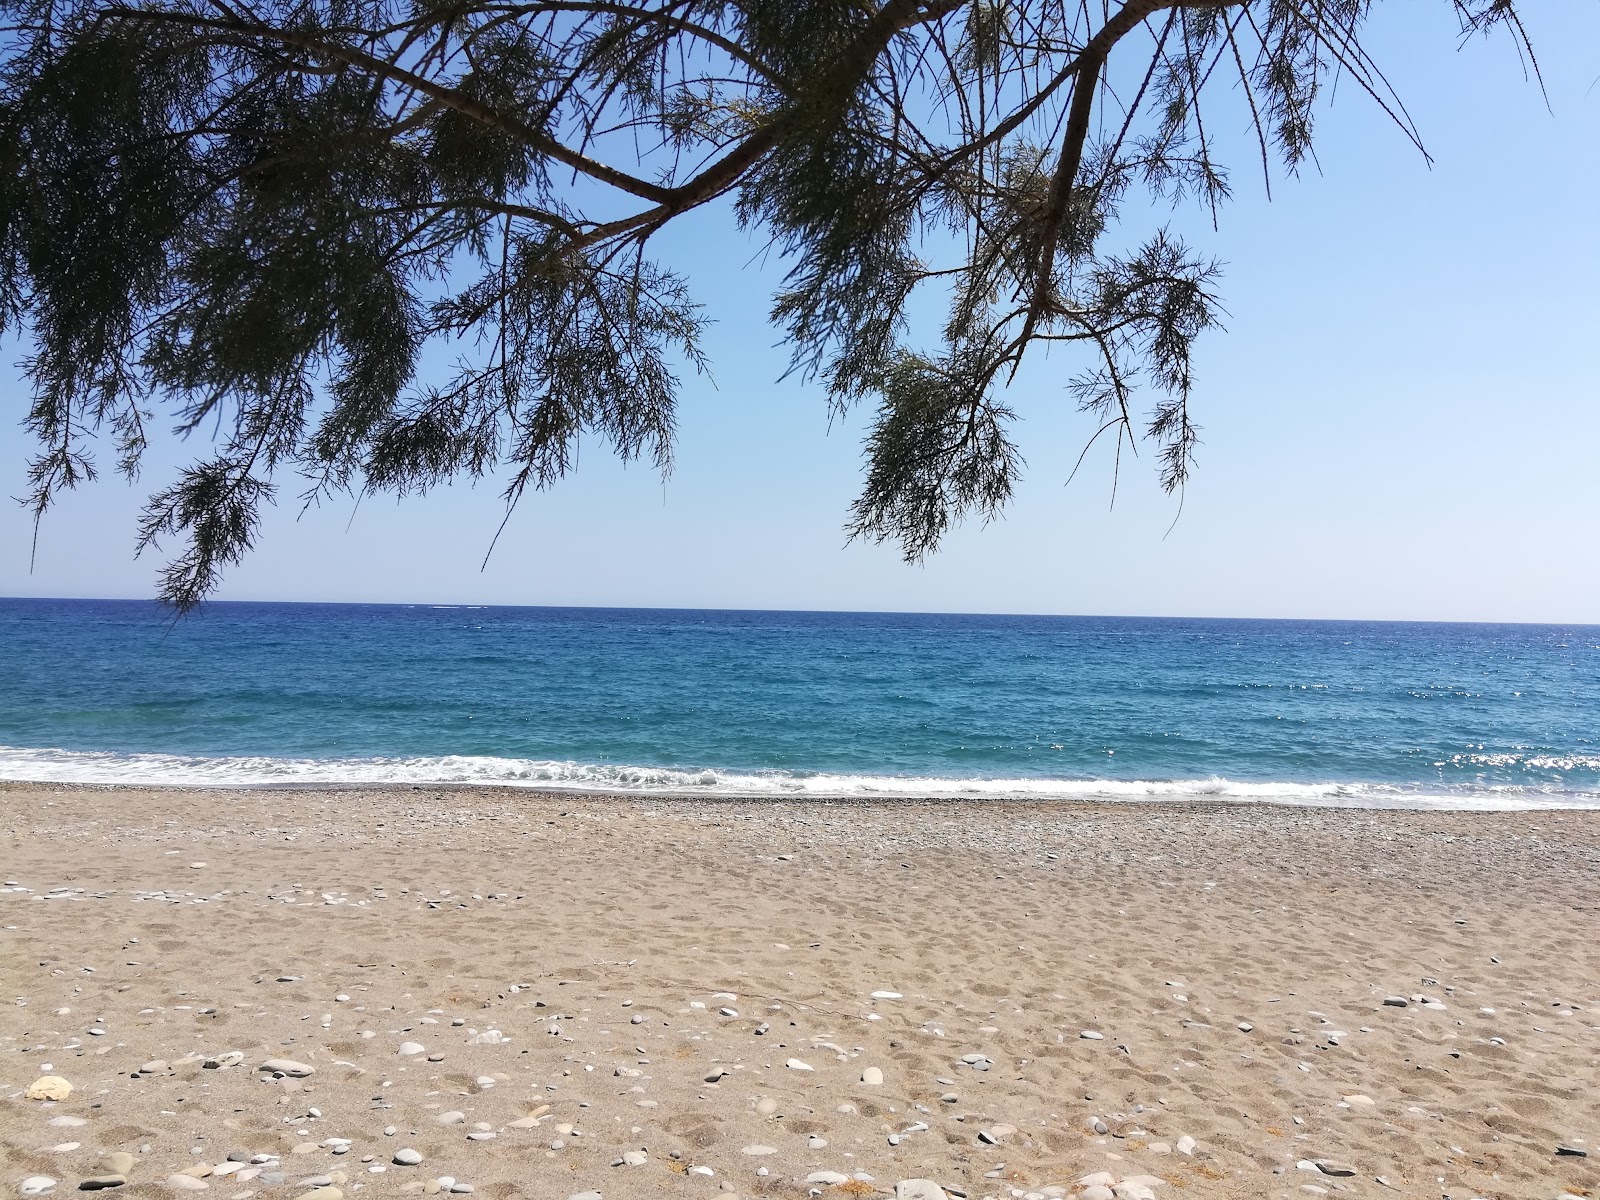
(287, 1066)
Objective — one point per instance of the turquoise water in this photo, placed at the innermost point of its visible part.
(1462, 716)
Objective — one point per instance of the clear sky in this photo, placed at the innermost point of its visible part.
(1401, 420)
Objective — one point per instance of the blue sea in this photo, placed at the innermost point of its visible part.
(784, 704)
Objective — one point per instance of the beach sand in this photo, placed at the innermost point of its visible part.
(690, 983)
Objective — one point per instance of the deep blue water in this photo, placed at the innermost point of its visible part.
(835, 703)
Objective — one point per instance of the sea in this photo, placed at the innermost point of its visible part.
(803, 704)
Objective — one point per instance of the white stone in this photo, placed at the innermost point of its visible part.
(1092, 1035)
(1185, 1145)
(36, 1185)
(634, 1158)
(407, 1157)
(758, 1151)
(407, 1049)
(872, 1077)
(888, 996)
(816, 1143)
(919, 1189)
(451, 1118)
(185, 1183)
(794, 1064)
(832, 1178)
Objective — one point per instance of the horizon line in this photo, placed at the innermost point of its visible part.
(841, 612)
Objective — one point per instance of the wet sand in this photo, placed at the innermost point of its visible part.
(685, 988)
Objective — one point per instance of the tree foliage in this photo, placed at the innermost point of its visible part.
(255, 216)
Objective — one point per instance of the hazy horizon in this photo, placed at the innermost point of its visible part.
(842, 612)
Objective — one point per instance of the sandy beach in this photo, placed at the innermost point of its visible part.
(532, 995)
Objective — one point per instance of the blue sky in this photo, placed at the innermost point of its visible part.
(1400, 421)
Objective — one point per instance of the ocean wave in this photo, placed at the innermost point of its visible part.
(106, 767)
(1537, 761)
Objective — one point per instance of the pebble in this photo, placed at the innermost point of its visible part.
(185, 1183)
(49, 1087)
(919, 1189)
(407, 1049)
(872, 1077)
(451, 1118)
(766, 1106)
(1395, 1001)
(757, 1151)
(1092, 1035)
(818, 1143)
(831, 1178)
(634, 1158)
(36, 1185)
(67, 1122)
(101, 1182)
(287, 1066)
(1186, 1144)
(1245, 1027)
(585, 1196)
(794, 1064)
(887, 996)
(1359, 1101)
(407, 1157)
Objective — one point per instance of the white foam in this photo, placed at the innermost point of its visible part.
(103, 767)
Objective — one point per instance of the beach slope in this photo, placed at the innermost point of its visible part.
(550, 995)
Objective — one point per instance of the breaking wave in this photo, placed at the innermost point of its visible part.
(171, 770)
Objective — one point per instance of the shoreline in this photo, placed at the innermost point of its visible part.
(1235, 960)
(1197, 799)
